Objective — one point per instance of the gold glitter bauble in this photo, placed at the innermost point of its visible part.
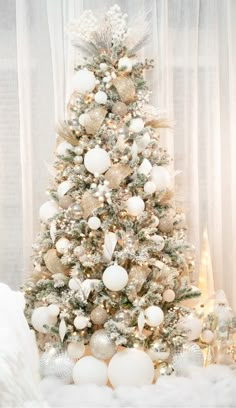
(166, 224)
(98, 315)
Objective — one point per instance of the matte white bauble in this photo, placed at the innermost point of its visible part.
(101, 97)
(130, 367)
(64, 187)
(125, 64)
(90, 370)
(136, 125)
(161, 177)
(145, 167)
(97, 160)
(207, 336)
(76, 350)
(115, 277)
(74, 284)
(48, 210)
(154, 316)
(135, 205)
(80, 322)
(83, 119)
(62, 245)
(84, 81)
(40, 317)
(149, 187)
(169, 295)
(53, 310)
(193, 327)
(63, 149)
(94, 223)
(103, 66)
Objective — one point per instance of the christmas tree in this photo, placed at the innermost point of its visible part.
(111, 262)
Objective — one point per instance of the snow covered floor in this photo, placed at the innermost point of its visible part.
(211, 387)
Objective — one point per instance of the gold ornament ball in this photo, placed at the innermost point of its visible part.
(119, 108)
(166, 225)
(98, 315)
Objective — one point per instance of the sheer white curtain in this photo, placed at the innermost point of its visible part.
(192, 43)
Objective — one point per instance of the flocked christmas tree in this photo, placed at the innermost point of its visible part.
(111, 263)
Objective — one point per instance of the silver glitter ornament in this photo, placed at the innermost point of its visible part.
(101, 345)
(191, 355)
(122, 316)
(98, 315)
(75, 211)
(159, 350)
(166, 369)
(56, 364)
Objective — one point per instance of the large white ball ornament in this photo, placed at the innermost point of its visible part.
(64, 187)
(125, 64)
(84, 81)
(130, 367)
(83, 119)
(97, 160)
(80, 322)
(48, 210)
(135, 205)
(136, 125)
(90, 370)
(160, 177)
(154, 316)
(149, 187)
(115, 277)
(76, 350)
(94, 223)
(101, 98)
(63, 149)
(192, 325)
(40, 317)
(53, 310)
(62, 245)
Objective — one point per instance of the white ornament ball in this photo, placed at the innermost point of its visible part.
(53, 310)
(74, 284)
(80, 322)
(40, 317)
(94, 223)
(48, 210)
(154, 316)
(101, 98)
(84, 81)
(101, 345)
(136, 125)
(84, 119)
(63, 149)
(169, 295)
(62, 245)
(76, 350)
(149, 187)
(90, 370)
(125, 64)
(135, 205)
(207, 336)
(193, 327)
(79, 251)
(64, 187)
(130, 367)
(159, 241)
(160, 177)
(97, 160)
(115, 277)
(103, 66)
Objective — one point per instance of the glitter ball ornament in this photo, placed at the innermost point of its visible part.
(168, 295)
(62, 245)
(101, 345)
(98, 315)
(135, 206)
(84, 81)
(46, 360)
(101, 97)
(165, 369)
(97, 160)
(56, 364)
(94, 223)
(80, 322)
(190, 356)
(159, 241)
(122, 316)
(76, 350)
(90, 370)
(119, 108)
(136, 125)
(75, 211)
(159, 350)
(125, 64)
(115, 277)
(48, 210)
(166, 224)
(154, 316)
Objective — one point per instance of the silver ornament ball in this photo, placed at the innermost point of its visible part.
(56, 364)
(159, 350)
(98, 315)
(191, 355)
(122, 316)
(75, 211)
(101, 345)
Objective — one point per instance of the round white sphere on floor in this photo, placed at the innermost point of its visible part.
(130, 367)
(90, 370)
(154, 316)
(84, 81)
(48, 210)
(135, 206)
(115, 277)
(76, 350)
(97, 160)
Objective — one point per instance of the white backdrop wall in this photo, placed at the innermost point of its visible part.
(194, 81)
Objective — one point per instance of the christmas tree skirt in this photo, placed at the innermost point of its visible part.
(206, 387)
